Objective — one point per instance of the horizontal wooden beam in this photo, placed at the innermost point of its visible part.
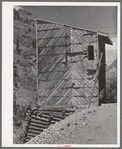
(53, 37)
(39, 125)
(60, 54)
(76, 43)
(34, 131)
(48, 29)
(29, 137)
(52, 71)
(71, 54)
(54, 112)
(55, 109)
(60, 79)
(52, 122)
(35, 128)
(57, 118)
(38, 118)
(39, 122)
(55, 46)
(32, 135)
(85, 96)
(46, 116)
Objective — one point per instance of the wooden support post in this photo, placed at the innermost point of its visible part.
(37, 60)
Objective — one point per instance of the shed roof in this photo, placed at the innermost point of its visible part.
(105, 37)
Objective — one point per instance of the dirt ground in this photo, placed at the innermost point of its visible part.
(96, 125)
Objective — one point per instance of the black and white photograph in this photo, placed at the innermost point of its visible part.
(65, 82)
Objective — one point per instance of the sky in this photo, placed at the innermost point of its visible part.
(98, 18)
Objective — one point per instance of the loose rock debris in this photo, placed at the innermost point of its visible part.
(91, 126)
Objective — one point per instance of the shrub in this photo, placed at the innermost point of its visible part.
(111, 91)
(29, 29)
(18, 47)
(33, 25)
(19, 113)
(16, 15)
(33, 43)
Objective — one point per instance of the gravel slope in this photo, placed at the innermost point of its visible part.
(91, 126)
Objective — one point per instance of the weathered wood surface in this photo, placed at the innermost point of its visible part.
(65, 73)
(37, 122)
(39, 125)
(102, 73)
(38, 118)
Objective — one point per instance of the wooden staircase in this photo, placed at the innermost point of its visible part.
(42, 118)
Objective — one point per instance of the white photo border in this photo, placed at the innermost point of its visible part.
(7, 70)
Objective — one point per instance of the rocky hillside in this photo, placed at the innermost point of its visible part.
(111, 82)
(96, 126)
(111, 71)
(24, 57)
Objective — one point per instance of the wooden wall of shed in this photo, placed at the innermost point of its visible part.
(65, 75)
(53, 70)
(83, 70)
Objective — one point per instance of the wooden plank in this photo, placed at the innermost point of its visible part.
(40, 119)
(67, 113)
(57, 118)
(54, 46)
(34, 131)
(39, 125)
(78, 92)
(48, 29)
(31, 135)
(55, 108)
(39, 122)
(36, 128)
(54, 33)
(46, 116)
(53, 122)
(77, 100)
(41, 25)
(53, 37)
(53, 112)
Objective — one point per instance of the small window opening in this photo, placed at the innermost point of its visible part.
(90, 52)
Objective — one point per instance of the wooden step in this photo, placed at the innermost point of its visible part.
(34, 131)
(50, 112)
(29, 137)
(39, 122)
(39, 125)
(58, 116)
(40, 119)
(32, 135)
(45, 115)
(53, 122)
(36, 128)
(57, 119)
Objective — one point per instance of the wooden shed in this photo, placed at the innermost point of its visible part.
(70, 64)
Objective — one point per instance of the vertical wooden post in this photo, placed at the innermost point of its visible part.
(98, 68)
(37, 61)
(102, 80)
